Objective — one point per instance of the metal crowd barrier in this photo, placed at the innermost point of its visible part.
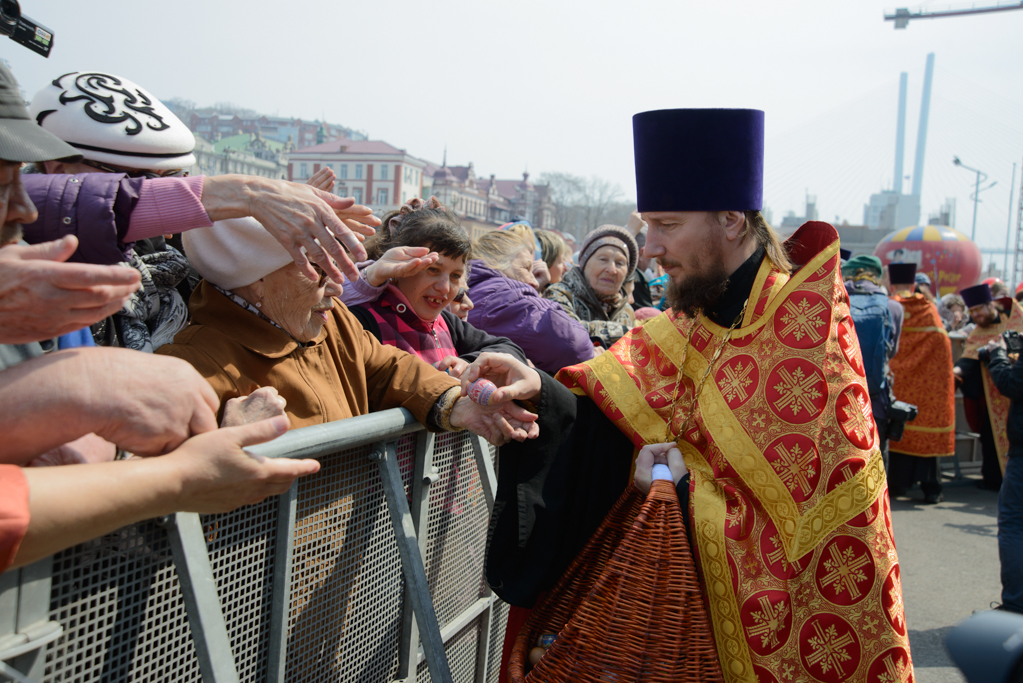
(370, 570)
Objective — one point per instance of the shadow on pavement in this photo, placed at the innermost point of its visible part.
(928, 648)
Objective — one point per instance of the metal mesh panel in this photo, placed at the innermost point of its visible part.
(461, 650)
(120, 603)
(498, 625)
(241, 550)
(457, 529)
(345, 614)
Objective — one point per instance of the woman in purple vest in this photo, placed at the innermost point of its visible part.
(402, 297)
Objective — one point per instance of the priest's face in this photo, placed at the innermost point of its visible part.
(690, 246)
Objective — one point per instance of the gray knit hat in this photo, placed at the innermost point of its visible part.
(609, 236)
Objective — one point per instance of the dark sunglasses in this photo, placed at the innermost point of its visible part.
(135, 173)
(462, 291)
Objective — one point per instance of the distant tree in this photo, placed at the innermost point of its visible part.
(181, 107)
(582, 204)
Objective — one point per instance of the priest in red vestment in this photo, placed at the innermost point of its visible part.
(756, 375)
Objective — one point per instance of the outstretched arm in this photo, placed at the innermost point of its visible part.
(209, 473)
(49, 401)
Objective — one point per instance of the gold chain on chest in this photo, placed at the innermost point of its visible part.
(668, 436)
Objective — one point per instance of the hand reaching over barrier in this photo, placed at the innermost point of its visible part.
(209, 473)
(42, 297)
(322, 179)
(498, 419)
(147, 404)
(310, 223)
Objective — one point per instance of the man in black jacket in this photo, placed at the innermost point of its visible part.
(1008, 377)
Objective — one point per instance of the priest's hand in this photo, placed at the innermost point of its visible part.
(658, 453)
(515, 380)
(497, 423)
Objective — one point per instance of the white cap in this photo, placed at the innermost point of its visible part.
(114, 121)
(234, 252)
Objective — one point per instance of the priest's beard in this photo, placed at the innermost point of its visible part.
(703, 287)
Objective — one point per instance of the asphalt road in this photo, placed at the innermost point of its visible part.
(949, 558)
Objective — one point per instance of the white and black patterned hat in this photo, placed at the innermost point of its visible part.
(114, 121)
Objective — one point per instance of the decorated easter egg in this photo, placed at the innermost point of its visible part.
(481, 391)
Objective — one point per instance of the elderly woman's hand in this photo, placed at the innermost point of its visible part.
(400, 262)
(453, 365)
(261, 404)
(310, 223)
(658, 454)
(322, 179)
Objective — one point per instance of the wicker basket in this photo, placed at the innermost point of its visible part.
(629, 607)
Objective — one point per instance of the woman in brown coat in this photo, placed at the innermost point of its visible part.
(258, 321)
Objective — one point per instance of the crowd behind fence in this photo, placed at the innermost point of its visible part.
(370, 570)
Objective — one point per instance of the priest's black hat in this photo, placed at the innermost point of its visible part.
(976, 295)
(902, 273)
(699, 159)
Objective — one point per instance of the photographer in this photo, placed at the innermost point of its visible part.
(1008, 378)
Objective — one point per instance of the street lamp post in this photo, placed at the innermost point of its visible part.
(976, 193)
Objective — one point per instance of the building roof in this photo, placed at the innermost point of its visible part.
(351, 147)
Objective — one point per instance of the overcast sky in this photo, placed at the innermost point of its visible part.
(552, 86)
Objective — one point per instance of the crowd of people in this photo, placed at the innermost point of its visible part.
(771, 379)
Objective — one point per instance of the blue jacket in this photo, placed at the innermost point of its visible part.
(509, 308)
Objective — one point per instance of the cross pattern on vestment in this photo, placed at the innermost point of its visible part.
(777, 556)
(702, 334)
(769, 621)
(829, 648)
(757, 419)
(870, 624)
(736, 517)
(665, 391)
(845, 570)
(857, 416)
(849, 347)
(787, 670)
(895, 671)
(895, 613)
(737, 380)
(797, 391)
(828, 439)
(794, 467)
(802, 320)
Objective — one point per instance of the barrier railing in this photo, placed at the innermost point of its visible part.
(370, 570)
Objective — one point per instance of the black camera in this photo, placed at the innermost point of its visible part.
(1013, 341)
(21, 29)
(899, 413)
